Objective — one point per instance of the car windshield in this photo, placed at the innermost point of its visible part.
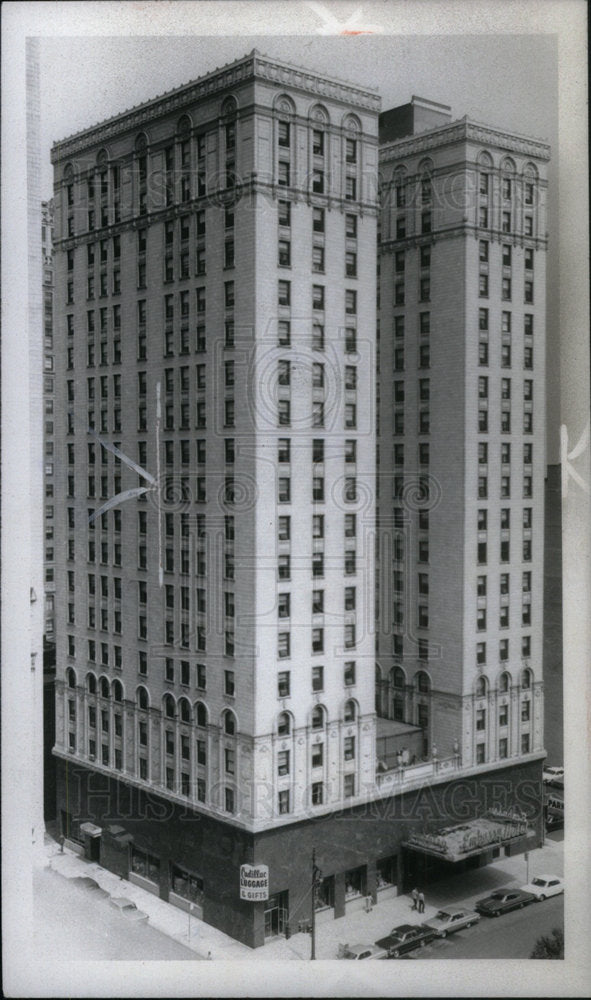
(442, 915)
(538, 881)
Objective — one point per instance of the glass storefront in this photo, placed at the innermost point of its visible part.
(145, 865)
(355, 883)
(325, 893)
(276, 914)
(386, 872)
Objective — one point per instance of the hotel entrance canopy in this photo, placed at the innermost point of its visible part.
(456, 843)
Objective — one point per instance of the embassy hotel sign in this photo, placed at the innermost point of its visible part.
(254, 882)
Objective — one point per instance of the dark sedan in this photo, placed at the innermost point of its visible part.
(502, 901)
(405, 938)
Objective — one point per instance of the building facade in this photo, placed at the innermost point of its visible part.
(461, 433)
(216, 354)
(48, 398)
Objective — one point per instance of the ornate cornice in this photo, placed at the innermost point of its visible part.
(250, 67)
(299, 78)
(464, 131)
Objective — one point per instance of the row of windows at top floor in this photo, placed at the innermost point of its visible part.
(404, 188)
(191, 140)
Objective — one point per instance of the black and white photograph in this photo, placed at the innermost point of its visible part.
(296, 499)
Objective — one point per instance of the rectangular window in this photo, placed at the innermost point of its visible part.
(284, 253)
(283, 176)
(284, 293)
(284, 213)
(318, 296)
(283, 134)
(351, 226)
(318, 220)
(317, 679)
(283, 684)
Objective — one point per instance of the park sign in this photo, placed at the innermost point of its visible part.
(254, 882)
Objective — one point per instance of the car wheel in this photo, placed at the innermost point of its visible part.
(542, 898)
(521, 906)
(396, 953)
(495, 913)
(469, 924)
(444, 934)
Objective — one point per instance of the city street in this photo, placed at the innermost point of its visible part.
(71, 923)
(512, 935)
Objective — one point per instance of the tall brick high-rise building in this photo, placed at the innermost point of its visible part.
(461, 435)
(215, 273)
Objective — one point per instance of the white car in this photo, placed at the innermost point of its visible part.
(453, 918)
(542, 886)
(359, 951)
(551, 773)
(128, 909)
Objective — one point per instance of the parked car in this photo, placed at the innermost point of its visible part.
(359, 951)
(405, 937)
(542, 886)
(128, 909)
(453, 918)
(503, 900)
(551, 772)
(85, 882)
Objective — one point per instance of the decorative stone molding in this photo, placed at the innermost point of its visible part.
(250, 67)
(466, 131)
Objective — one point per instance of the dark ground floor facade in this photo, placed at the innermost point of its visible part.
(193, 860)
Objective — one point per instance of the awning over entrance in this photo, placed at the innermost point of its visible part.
(90, 829)
(456, 843)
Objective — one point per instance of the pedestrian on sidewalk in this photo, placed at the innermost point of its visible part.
(421, 898)
(61, 842)
(415, 898)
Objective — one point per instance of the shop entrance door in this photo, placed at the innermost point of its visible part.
(276, 915)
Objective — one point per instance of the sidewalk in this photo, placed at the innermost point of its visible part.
(354, 928)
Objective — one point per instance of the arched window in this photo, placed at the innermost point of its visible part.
(350, 713)
(229, 722)
(105, 687)
(504, 682)
(318, 717)
(526, 679)
(102, 158)
(398, 677)
(229, 106)
(71, 677)
(485, 159)
(141, 142)
(142, 698)
(169, 706)
(423, 683)
(117, 690)
(183, 125)
(201, 714)
(284, 724)
(319, 114)
(351, 123)
(480, 689)
(91, 683)
(185, 710)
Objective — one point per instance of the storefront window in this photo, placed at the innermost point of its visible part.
(386, 872)
(145, 865)
(325, 893)
(188, 886)
(355, 883)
